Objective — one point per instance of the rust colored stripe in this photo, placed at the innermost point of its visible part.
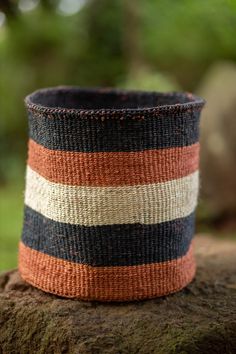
(113, 168)
(119, 283)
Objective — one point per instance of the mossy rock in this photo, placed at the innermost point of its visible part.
(199, 319)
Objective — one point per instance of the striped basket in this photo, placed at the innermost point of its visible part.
(111, 190)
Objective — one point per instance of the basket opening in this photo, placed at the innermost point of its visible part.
(99, 99)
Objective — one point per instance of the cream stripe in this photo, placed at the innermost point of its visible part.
(146, 204)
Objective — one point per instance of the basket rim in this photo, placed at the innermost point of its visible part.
(193, 103)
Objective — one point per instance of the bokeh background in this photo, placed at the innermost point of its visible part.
(163, 45)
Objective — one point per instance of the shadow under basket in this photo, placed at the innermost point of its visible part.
(111, 192)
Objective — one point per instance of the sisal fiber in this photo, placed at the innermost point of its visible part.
(111, 191)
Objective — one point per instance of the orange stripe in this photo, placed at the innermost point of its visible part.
(123, 283)
(113, 168)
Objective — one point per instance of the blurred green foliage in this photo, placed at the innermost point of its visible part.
(159, 45)
(11, 213)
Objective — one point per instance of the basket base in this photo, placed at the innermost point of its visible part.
(123, 283)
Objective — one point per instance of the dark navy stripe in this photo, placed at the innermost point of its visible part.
(73, 133)
(108, 245)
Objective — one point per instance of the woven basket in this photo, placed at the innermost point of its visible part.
(111, 190)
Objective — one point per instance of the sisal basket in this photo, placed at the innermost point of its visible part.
(111, 192)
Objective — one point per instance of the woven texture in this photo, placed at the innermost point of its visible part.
(111, 191)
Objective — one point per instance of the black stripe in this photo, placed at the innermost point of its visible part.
(72, 133)
(108, 245)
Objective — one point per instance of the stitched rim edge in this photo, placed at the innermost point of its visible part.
(194, 103)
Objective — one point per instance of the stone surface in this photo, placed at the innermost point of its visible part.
(198, 319)
(218, 138)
